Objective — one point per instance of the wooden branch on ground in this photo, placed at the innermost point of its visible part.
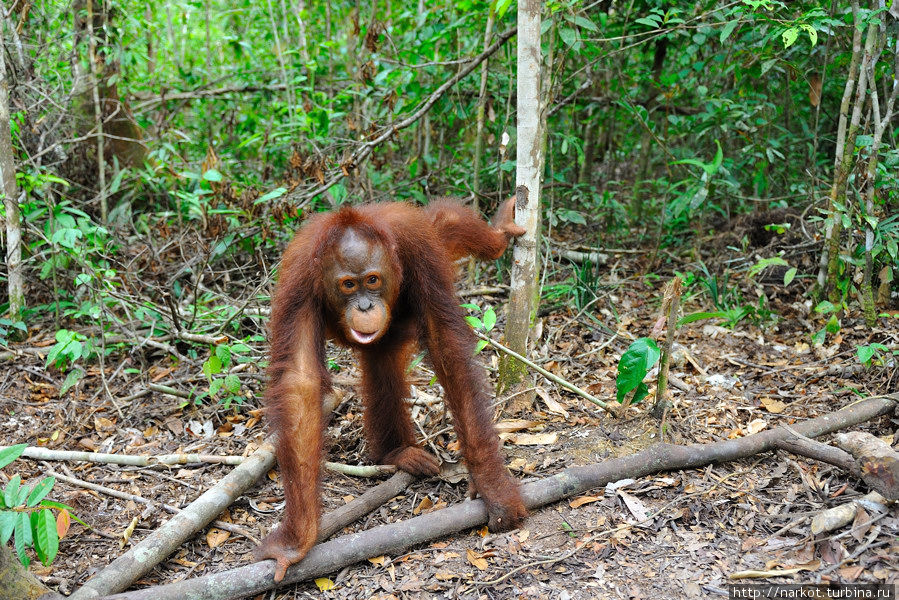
(145, 501)
(142, 557)
(552, 377)
(394, 538)
(147, 460)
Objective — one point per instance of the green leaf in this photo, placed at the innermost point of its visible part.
(825, 307)
(23, 537)
(812, 34)
(7, 455)
(833, 324)
(789, 36)
(489, 319)
(8, 520)
(635, 363)
(11, 492)
(699, 316)
(40, 490)
(819, 337)
(275, 193)
(72, 378)
(223, 352)
(45, 536)
(568, 35)
(728, 29)
(232, 383)
(474, 322)
(471, 306)
(212, 175)
(649, 22)
(585, 23)
(865, 354)
(501, 7)
(480, 345)
(215, 386)
(789, 275)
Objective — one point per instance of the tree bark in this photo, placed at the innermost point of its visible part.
(524, 290)
(15, 284)
(16, 583)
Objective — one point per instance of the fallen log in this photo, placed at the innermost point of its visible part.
(394, 538)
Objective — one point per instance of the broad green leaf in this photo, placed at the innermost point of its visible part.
(40, 490)
(8, 520)
(825, 307)
(833, 324)
(819, 337)
(212, 175)
(789, 275)
(215, 386)
(728, 29)
(275, 193)
(223, 352)
(73, 377)
(585, 23)
(789, 36)
(7, 455)
(568, 35)
(475, 322)
(11, 492)
(480, 345)
(45, 537)
(232, 383)
(23, 537)
(489, 319)
(635, 363)
(649, 22)
(865, 354)
(812, 34)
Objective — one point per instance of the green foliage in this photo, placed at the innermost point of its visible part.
(224, 386)
(483, 324)
(27, 516)
(875, 353)
(634, 365)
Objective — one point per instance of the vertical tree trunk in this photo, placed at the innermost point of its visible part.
(834, 227)
(881, 120)
(98, 108)
(10, 191)
(481, 110)
(524, 293)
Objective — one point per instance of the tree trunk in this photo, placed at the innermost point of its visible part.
(524, 290)
(10, 191)
(16, 583)
(881, 120)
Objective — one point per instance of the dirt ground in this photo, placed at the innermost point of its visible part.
(706, 526)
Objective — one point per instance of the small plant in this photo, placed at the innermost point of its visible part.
(69, 348)
(875, 354)
(635, 363)
(483, 324)
(28, 517)
(833, 323)
(219, 361)
(6, 327)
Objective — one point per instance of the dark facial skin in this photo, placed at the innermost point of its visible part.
(359, 285)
